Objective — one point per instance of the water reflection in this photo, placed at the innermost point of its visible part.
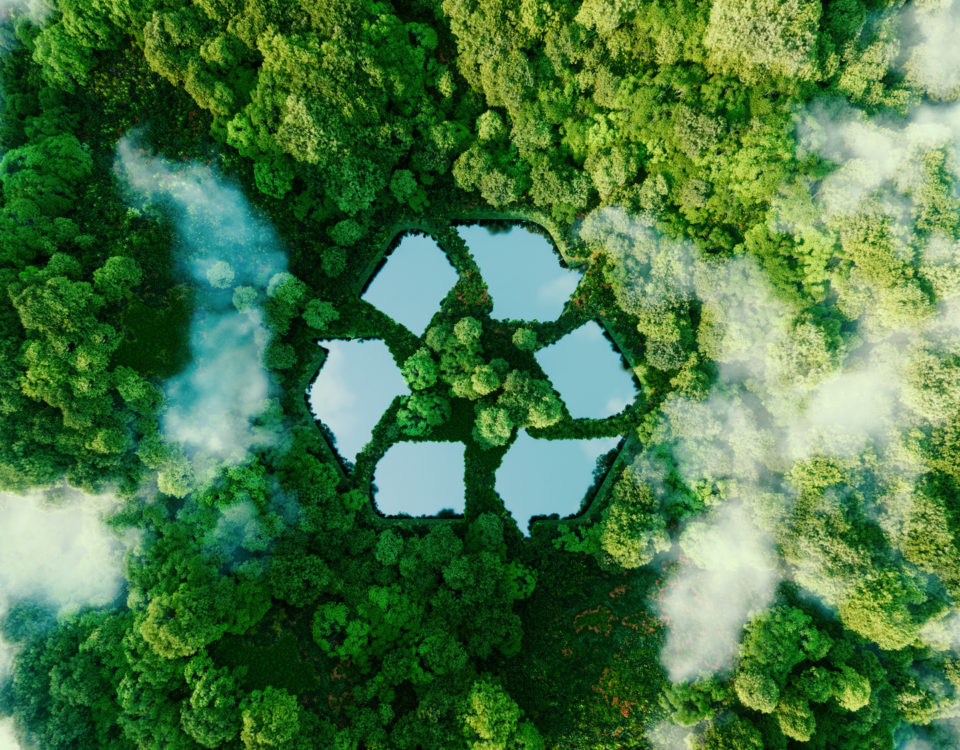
(540, 477)
(357, 382)
(588, 373)
(522, 271)
(412, 283)
(420, 479)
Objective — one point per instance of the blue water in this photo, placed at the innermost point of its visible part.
(357, 382)
(420, 479)
(522, 271)
(588, 373)
(412, 283)
(359, 379)
(539, 477)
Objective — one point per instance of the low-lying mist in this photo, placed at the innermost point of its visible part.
(789, 389)
(56, 551)
(227, 251)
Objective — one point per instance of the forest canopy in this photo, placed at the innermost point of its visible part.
(762, 196)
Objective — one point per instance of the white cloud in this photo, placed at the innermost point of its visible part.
(212, 406)
(943, 633)
(728, 571)
(781, 395)
(355, 385)
(934, 55)
(8, 739)
(668, 736)
(555, 292)
(878, 160)
(938, 735)
(215, 221)
(239, 530)
(843, 412)
(917, 744)
(56, 550)
(36, 10)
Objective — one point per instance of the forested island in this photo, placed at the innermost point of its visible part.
(752, 207)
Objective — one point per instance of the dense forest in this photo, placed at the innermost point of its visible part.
(763, 198)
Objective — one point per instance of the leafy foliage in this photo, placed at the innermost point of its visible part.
(666, 144)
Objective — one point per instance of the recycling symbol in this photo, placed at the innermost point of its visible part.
(476, 378)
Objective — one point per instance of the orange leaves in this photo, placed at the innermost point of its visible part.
(618, 591)
(598, 620)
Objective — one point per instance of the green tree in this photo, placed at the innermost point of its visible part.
(795, 717)
(763, 37)
(493, 721)
(736, 734)
(421, 412)
(117, 277)
(493, 426)
(319, 314)
(271, 719)
(632, 528)
(420, 370)
(212, 714)
(525, 339)
(274, 177)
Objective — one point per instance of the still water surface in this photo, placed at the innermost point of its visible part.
(588, 373)
(420, 479)
(356, 384)
(539, 477)
(522, 271)
(359, 379)
(412, 283)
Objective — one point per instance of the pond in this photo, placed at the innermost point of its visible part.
(420, 479)
(588, 373)
(355, 385)
(523, 272)
(359, 379)
(540, 477)
(410, 286)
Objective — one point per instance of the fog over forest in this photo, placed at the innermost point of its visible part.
(233, 258)
(57, 556)
(87, 568)
(213, 534)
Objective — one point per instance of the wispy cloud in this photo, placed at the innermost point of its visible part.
(36, 10)
(783, 394)
(213, 406)
(57, 551)
(728, 570)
